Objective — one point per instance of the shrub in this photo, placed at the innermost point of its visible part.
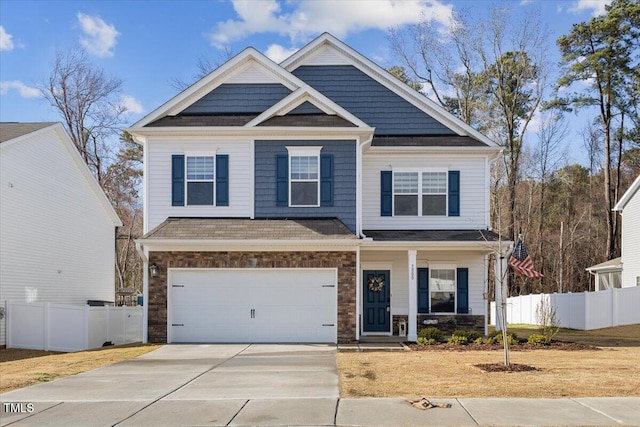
(458, 340)
(471, 335)
(495, 337)
(538, 339)
(426, 341)
(430, 333)
(547, 319)
(478, 340)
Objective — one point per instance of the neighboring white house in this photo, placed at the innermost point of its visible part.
(57, 227)
(629, 208)
(623, 272)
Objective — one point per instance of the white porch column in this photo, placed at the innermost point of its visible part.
(413, 297)
(500, 291)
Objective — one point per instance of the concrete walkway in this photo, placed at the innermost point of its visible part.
(267, 385)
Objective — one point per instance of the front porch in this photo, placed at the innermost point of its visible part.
(405, 287)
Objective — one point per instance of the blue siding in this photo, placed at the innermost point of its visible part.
(239, 98)
(371, 102)
(344, 181)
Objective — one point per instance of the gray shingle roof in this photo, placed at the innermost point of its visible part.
(12, 130)
(250, 229)
(307, 120)
(204, 120)
(426, 141)
(432, 235)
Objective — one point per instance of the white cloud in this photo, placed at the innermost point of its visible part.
(24, 90)
(100, 37)
(131, 104)
(6, 42)
(278, 53)
(597, 6)
(309, 17)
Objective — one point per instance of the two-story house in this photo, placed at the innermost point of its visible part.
(316, 200)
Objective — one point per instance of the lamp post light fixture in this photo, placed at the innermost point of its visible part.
(155, 271)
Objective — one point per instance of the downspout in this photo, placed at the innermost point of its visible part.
(359, 233)
(359, 165)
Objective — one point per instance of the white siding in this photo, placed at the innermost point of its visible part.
(473, 191)
(56, 239)
(326, 55)
(158, 179)
(631, 241)
(398, 261)
(253, 73)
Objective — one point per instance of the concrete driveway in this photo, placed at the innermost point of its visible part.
(190, 385)
(267, 385)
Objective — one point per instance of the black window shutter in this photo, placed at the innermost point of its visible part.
(222, 180)
(326, 180)
(386, 193)
(454, 193)
(463, 290)
(423, 290)
(177, 180)
(282, 180)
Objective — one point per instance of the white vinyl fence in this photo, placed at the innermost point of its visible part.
(65, 327)
(585, 310)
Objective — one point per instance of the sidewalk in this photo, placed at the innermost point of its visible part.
(495, 412)
(331, 412)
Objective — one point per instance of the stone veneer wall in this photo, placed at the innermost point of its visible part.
(449, 323)
(344, 261)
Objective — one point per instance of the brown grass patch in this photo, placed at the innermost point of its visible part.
(609, 372)
(447, 372)
(20, 368)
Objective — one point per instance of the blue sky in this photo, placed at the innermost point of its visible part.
(149, 43)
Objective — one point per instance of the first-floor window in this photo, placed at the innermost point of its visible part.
(200, 180)
(442, 287)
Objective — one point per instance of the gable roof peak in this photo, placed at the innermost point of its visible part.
(217, 77)
(383, 77)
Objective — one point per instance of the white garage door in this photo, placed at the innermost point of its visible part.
(252, 305)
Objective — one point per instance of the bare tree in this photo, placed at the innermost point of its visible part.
(203, 67)
(548, 155)
(88, 99)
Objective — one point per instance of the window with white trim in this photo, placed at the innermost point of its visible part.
(304, 176)
(420, 193)
(442, 290)
(200, 180)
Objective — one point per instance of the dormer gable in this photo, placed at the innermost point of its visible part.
(306, 101)
(248, 67)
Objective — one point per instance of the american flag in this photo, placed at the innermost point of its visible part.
(521, 262)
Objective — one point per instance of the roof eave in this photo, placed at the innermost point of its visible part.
(262, 131)
(421, 149)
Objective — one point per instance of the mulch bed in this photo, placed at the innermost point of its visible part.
(500, 367)
(523, 346)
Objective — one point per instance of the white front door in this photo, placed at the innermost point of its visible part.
(252, 305)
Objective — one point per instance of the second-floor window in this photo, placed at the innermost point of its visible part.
(419, 193)
(200, 180)
(304, 176)
(304, 180)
